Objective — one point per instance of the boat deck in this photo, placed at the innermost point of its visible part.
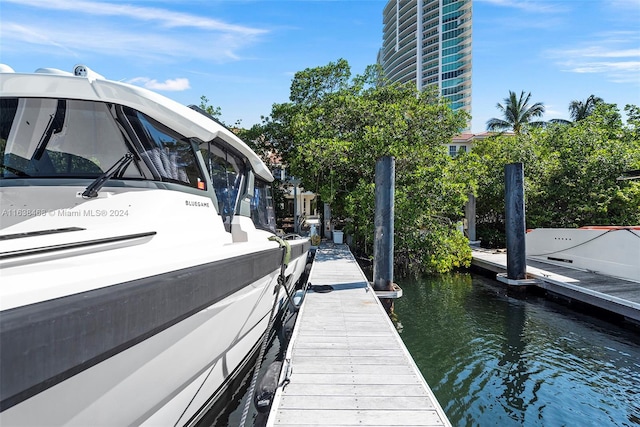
(348, 363)
(616, 295)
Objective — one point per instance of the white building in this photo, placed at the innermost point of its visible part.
(429, 42)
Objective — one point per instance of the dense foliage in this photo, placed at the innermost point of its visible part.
(335, 129)
(571, 173)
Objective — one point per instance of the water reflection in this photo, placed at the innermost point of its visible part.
(516, 374)
(493, 359)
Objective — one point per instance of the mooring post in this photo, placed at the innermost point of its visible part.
(327, 221)
(515, 221)
(470, 216)
(295, 207)
(383, 221)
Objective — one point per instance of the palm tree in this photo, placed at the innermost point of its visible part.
(580, 110)
(517, 113)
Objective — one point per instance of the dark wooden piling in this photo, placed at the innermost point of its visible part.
(515, 221)
(383, 221)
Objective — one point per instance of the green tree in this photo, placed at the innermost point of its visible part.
(571, 174)
(215, 112)
(585, 161)
(332, 134)
(490, 155)
(580, 110)
(311, 85)
(517, 113)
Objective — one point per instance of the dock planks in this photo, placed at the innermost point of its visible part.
(613, 294)
(348, 364)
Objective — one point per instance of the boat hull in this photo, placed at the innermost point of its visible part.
(127, 320)
(612, 251)
(138, 351)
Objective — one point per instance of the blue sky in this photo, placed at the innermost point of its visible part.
(242, 54)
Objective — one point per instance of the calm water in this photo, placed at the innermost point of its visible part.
(495, 360)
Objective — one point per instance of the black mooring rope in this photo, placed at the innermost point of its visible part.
(263, 346)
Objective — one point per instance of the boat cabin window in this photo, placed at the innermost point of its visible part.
(262, 212)
(227, 171)
(169, 155)
(59, 138)
(67, 138)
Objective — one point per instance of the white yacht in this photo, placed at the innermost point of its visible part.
(610, 250)
(137, 262)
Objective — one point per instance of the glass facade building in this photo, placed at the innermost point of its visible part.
(429, 42)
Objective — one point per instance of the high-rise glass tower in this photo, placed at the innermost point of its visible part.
(429, 42)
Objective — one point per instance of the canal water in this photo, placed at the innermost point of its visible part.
(493, 359)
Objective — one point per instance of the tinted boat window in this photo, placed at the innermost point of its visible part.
(8, 108)
(169, 155)
(59, 138)
(262, 212)
(227, 172)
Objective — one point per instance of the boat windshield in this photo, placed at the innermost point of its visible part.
(59, 138)
(66, 138)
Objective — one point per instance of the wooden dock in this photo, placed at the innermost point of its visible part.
(347, 364)
(616, 295)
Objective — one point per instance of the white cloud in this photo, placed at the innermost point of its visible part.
(526, 5)
(10, 30)
(123, 44)
(123, 31)
(552, 112)
(165, 17)
(170, 85)
(633, 5)
(599, 52)
(613, 54)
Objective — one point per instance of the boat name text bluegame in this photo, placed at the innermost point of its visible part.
(196, 203)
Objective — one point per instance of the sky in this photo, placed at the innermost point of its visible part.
(242, 54)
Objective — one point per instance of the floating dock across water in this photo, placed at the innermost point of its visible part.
(612, 294)
(346, 364)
